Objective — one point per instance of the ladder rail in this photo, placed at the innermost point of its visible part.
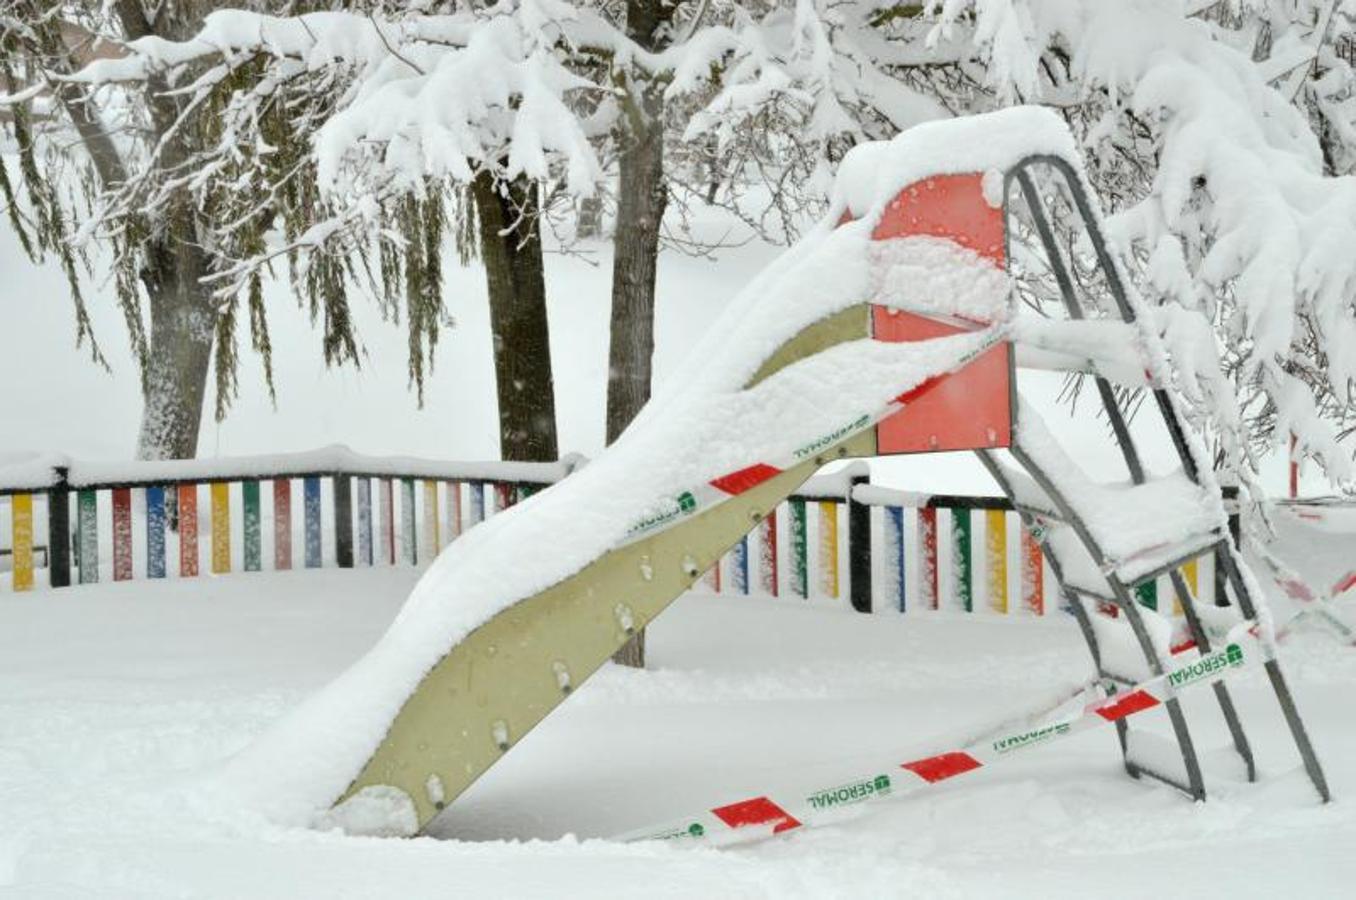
(1229, 560)
(1226, 702)
(1036, 206)
(1091, 221)
(1229, 564)
(1125, 442)
(1074, 604)
(1130, 609)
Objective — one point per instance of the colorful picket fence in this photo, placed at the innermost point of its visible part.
(839, 538)
(902, 551)
(889, 555)
(160, 520)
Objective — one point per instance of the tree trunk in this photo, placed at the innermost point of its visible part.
(510, 247)
(642, 195)
(183, 320)
(590, 222)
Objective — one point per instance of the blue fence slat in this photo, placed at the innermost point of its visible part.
(311, 498)
(409, 546)
(155, 532)
(364, 521)
(894, 543)
(477, 491)
(741, 566)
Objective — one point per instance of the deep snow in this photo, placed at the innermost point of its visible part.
(120, 700)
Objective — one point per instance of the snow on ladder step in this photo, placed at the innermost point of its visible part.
(1139, 528)
(1106, 347)
(766, 815)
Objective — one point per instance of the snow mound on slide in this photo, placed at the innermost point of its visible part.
(702, 426)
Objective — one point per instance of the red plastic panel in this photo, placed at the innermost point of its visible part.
(970, 409)
(947, 206)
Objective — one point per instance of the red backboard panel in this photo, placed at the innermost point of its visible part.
(968, 410)
(972, 408)
(947, 206)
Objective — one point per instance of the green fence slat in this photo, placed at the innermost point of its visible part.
(252, 528)
(1147, 594)
(87, 541)
(800, 575)
(961, 559)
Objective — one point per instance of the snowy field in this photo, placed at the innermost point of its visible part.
(117, 702)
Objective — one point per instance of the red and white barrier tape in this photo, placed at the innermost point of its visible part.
(763, 816)
(1320, 608)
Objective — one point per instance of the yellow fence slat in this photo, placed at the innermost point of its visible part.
(1191, 572)
(828, 548)
(221, 527)
(21, 512)
(996, 547)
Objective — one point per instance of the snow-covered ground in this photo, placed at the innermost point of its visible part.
(117, 702)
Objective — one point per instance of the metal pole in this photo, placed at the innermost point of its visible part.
(859, 547)
(343, 521)
(59, 531)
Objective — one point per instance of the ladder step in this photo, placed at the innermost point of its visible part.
(1136, 527)
(1105, 347)
(1158, 757)
(1119, 648)
(1163, 558)
(1136, 770)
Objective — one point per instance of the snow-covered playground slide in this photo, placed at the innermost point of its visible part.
(890, 328)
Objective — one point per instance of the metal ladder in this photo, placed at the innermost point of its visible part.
(1060, 510)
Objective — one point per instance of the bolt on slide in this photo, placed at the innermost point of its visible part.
(890, 328)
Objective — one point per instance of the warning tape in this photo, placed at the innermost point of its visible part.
(671, 510)
(1342, 585)
(1313, 606)
(763, 816)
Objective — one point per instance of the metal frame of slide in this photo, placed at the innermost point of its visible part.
(510, 672)
(1227, 560)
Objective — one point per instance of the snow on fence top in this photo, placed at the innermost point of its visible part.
(45, 470)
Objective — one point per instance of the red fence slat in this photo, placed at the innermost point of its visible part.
(282, 523)
(122, 534)
(927, 540)
(1033, 574)
(188, 530)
